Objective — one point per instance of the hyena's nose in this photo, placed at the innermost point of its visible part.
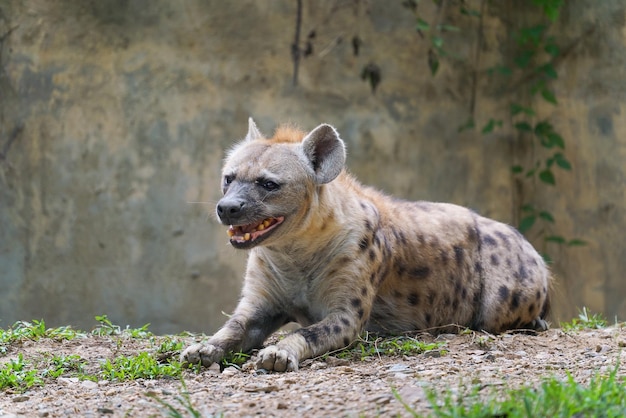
(230, 210)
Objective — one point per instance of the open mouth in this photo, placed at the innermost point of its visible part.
(243, 236)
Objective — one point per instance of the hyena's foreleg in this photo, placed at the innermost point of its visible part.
(333, 332)
(246, 329)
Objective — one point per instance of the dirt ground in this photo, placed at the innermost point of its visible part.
(330, 387)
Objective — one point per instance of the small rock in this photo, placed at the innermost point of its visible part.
(230, 371)
(281, 405)
(20, 398)
(88, 384)
(334, 361)
(68, 380)
(399, 368)
(621, 343)
(261, 388)
(318, 365)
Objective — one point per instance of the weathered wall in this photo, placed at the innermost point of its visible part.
(126, 108)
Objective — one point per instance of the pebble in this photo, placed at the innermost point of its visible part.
(230, 371)
(88, 384)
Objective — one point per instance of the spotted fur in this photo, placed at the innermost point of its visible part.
(340, 258)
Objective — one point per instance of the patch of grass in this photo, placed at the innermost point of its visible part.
(605, 396)
(369, 345)
(14, 374)
(34, 330)
(585, 320)
(108, 328)
(184, 400)
(60, 365)
(140, 366)
(170, 345)
(234, 360)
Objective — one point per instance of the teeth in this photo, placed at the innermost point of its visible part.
(231, 233)
(246, 236)
(261, 227)
(237, 231)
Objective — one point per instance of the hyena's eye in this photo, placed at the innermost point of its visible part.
(228, 179)
(268, 185)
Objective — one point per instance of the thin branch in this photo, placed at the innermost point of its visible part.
(295, 47)
(5, 149)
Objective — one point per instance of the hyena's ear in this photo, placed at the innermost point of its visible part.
(253, 131)
(326, 152)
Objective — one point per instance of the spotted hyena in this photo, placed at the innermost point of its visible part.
(339, 258)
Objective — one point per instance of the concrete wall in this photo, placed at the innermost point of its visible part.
(115, 114)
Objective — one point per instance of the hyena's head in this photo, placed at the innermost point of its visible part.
(269, 184)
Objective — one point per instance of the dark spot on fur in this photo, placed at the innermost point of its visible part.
(508, 263)
(346, 341)
(504, 238)
(356, 302)
(455, 304)
(522, 273)
(464, 293)
(364, 243)
(472, 233)
(458, 255)
(421, 239)
(336, 329)
(531, 308)
(309, 334)
(515, 300)
(402, 238)
(420, 273)
(428, 318)
(431, 298)
(360, 312)
(368, 225)
(326, 329)
(478, 267)
(345, 321)
(443, 256)
(364, 291)
(447, 301)
(372, 278)
(538, 295)
(397, 294)
(377, 239)
(372, 254)
(363, 205)
(400, 269)
(489, 240)
(495, 261)
(503, 292)
(413, 299)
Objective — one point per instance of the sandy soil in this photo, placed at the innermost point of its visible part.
(322, 387)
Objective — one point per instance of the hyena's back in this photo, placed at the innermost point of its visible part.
(448, 265)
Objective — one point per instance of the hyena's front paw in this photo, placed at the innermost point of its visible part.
(205, 354)
(277, 359)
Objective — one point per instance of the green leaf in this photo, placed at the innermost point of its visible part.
(555, 238)
(528, 208)
(437, 42)
(422, 25)
(546, 216)
(448, 28)
(555, 139)
(547, 177)
(531, 172)
(523, 58)
(517, 169)
(523, 127)
(576, 242)
(470, 12)
(500, 69)
(548, 96)
(527, 223)
(552, 49)
(470, 124)
(548, 70)
(489, 127)
(518, 108)
(562, 162)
